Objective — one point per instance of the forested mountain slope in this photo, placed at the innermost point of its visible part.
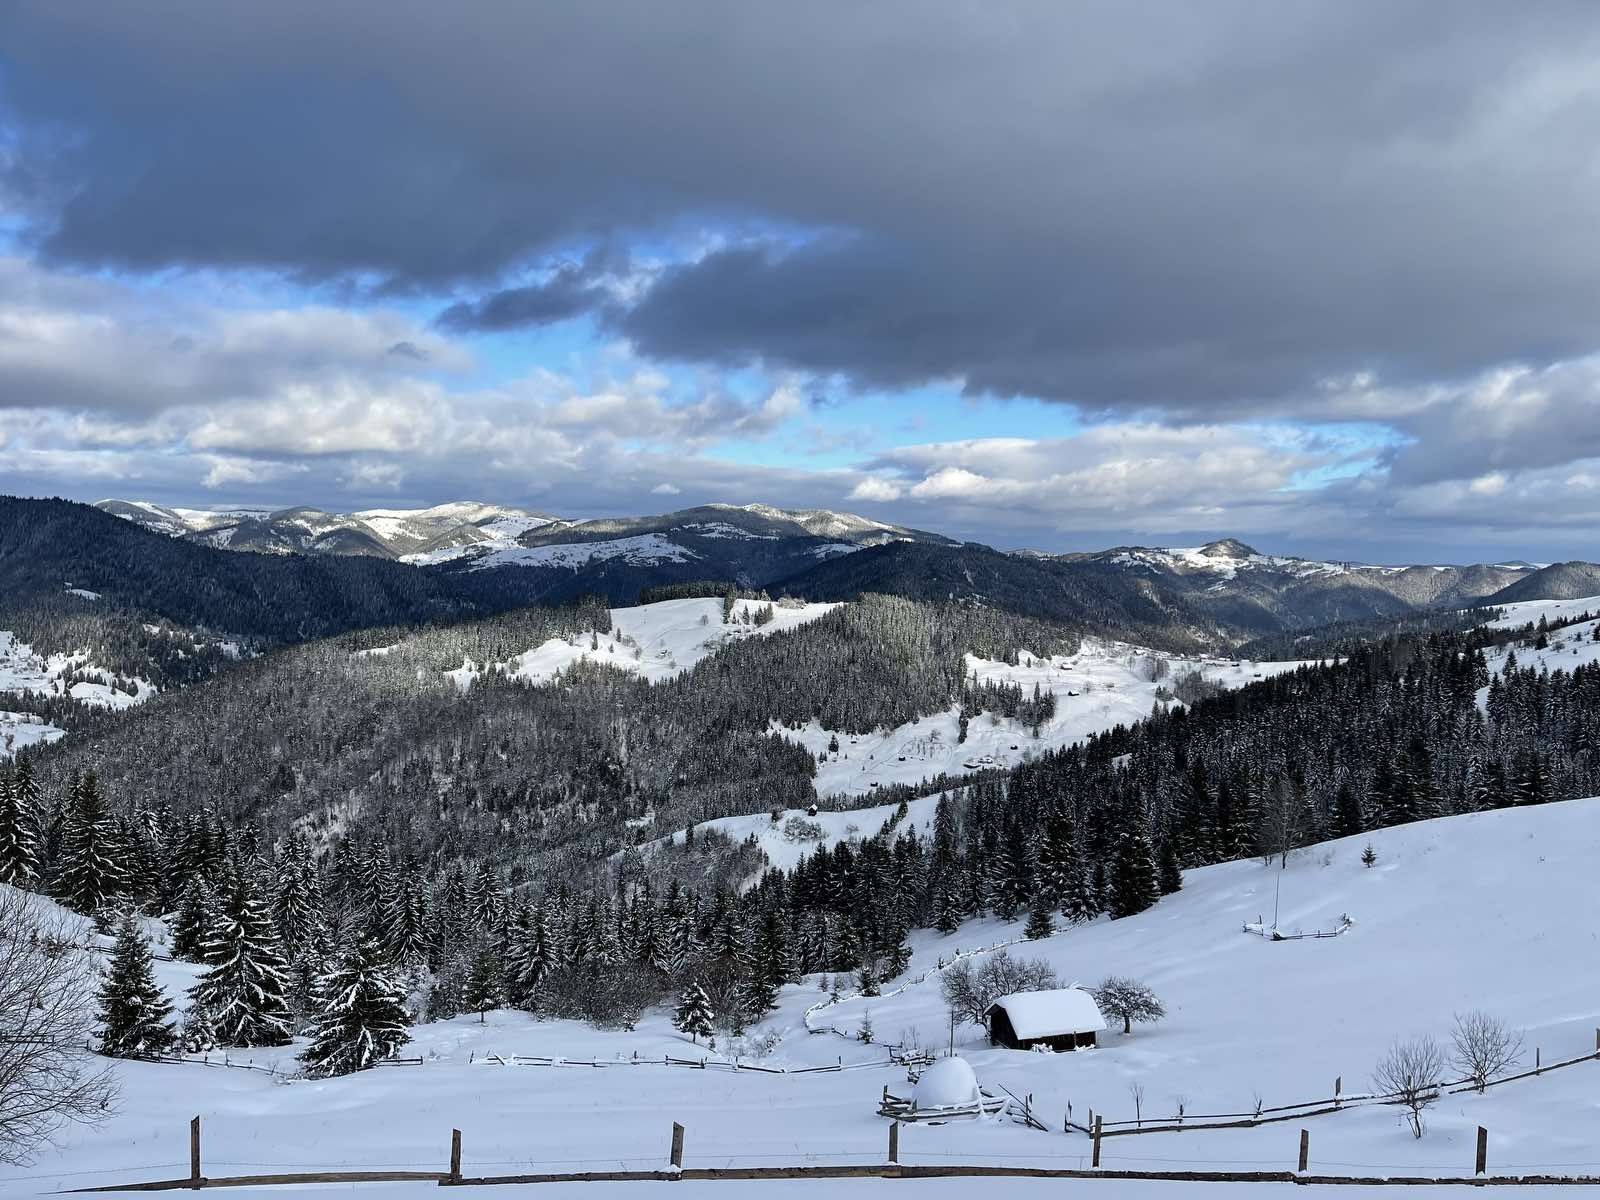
(385, 730)
(48, 546)
(1220, 594)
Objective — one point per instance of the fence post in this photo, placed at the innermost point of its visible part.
(1305, 1150)
(1536, 1067)
(677, 1144)
(194, 1151)
(1095, 1162)
(894, 1141)
(1597, 1042)
(1338, 1088)
(1483, 1151)
(455, 1155)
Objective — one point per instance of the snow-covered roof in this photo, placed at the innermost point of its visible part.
(1047, 1014)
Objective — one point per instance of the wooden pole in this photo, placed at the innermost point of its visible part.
(1483, 1151)
(1305, 1150)
(1338, 1089)
(894, 1141)
(677, 1144)
(1536, 1067)
(194, 1151)
(455, 1154)
(1095, 1162)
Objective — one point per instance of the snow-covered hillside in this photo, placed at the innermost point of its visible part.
(1524, 612)
(19, 730)
(1104, 685)
(658, 641)
(1566, 648)
(1492, 911)
(24, 670)
(797, 833)
(642, 548)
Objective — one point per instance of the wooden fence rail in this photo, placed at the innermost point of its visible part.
(1187, 1122)
(890, 1168)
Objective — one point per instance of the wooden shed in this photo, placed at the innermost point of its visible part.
(1062, 1019)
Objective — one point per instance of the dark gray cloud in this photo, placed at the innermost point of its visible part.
(1199, 207)
(568, 290)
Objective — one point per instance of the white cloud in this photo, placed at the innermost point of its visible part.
(665, 489)
(876, 489)
(229, 471)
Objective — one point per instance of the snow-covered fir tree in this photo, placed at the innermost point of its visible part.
(1134, 883)
(19, 827)
(485, 983)
(133, 1010)
(694, 1014)
(194, 921)
(243, 990)
(361, 1016)
(90, 871)
(1041, 922)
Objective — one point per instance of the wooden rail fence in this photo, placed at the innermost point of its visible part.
(890, 1168)
(1190, 1122)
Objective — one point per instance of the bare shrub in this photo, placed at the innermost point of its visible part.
(969, 991)
(1411, 1072)
(1483, 1046)
(48, 1079)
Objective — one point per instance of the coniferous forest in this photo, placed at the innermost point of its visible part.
(322, 813)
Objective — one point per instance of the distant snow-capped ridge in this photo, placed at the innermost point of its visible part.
(380, 532)
(1228, 556)
(474, 533)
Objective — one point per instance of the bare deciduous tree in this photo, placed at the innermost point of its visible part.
(1128, 1000)
(1483, 1046)
(48, 1078)
(1411, 1072)
(969, 991)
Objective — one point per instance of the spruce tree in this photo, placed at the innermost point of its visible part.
(694, 1014)
(485, 985)
(1040, 923)
(19, 828)
(194, 921)
(898, 956)
(133, 1011)
(361, 1015)
(243, 991)
(1134, 885)
(90, 872)
(1169, 877)
(532, 958)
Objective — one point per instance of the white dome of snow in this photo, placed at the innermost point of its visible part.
(948, 1082)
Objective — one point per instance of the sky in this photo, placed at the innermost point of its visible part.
(1064, 275)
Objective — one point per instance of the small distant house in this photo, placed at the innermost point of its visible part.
(1062, 1019)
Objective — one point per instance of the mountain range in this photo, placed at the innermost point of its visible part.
(467, 557)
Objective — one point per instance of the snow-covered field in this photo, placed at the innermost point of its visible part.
(1493, 911)
(1514, 616)
(23, 670)
(1568, 647)
(1104, 685)
(797, 833)
(20, 730)
(658, 641)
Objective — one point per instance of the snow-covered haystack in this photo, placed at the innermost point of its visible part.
(949, 1083)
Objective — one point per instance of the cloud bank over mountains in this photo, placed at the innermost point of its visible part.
(1316, 274)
